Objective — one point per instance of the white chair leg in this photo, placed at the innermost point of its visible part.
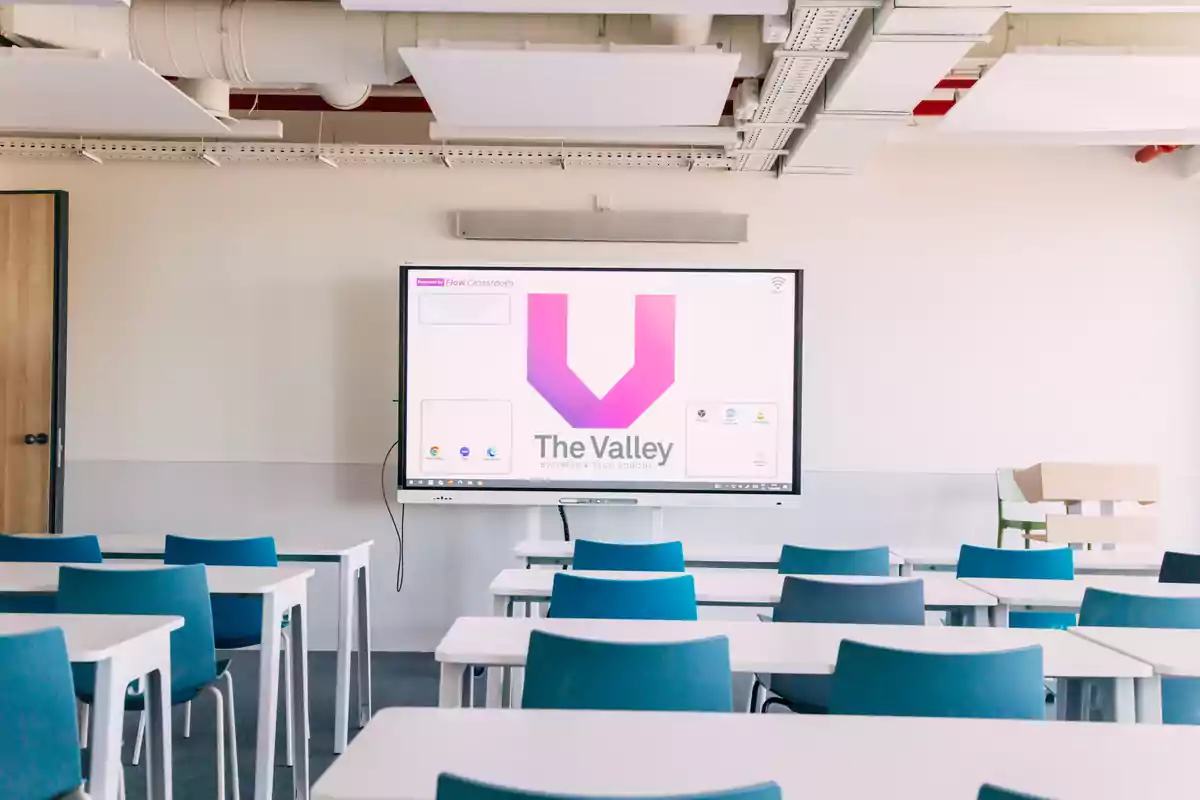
(187, 720)
(220, 741)
(231, 721)
(141, 734)
(289, 699)
(81, 712)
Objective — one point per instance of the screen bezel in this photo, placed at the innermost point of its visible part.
(553, 495)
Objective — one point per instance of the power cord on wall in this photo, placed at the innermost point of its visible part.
(398, 526)
(562, 512)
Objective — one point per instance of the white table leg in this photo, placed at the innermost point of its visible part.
(1148, 700)
(299, 656)
(158, 733)
(998, 615)
(500, 607)
(1124, 702)
(108, 711)
(450, 689)
(904, 570)
(364, 647)
(341, 695)
(982, 617)
(1069, 699)
(268, 697)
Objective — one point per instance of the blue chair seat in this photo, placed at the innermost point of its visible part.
(452, 787)
(797, 560)
(579, 597)
(636, 557)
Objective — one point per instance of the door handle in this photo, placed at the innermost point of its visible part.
(37, 438)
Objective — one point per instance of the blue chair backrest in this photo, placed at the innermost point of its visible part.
(1051, 563)
(452, 787)
(237, 621)
(806, 600)
(1180, 696)
(39, 743)
(636, 557)
(796, 560)
(989, 792)
(170, 591)
(1179, 568)
(880, 681)
(562, 672)
(581, 597)
(66, 549)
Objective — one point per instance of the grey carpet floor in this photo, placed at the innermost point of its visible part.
(399, 679)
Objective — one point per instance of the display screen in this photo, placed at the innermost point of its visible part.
(598, 380)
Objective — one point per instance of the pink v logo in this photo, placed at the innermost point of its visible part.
(652, 373)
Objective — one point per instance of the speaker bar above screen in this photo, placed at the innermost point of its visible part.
(535, 386)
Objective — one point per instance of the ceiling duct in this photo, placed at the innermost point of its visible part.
(796, 72)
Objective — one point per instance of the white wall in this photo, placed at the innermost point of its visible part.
(233, 343)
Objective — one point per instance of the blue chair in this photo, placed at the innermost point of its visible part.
(1048, 564)
(39, 742)
(180, 591)
(1180, 696)
(796, 560)
(1179, 568)
(580, 597)
(880, 681)
(636, 557)
(989, 792)
(562, 672)
(804, 600)
(452, 787)
(65, 549)
(237, 621)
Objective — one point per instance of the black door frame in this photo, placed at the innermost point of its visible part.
(58, 355)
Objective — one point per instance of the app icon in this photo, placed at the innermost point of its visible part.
(701, 414)
(761, 416)
(441, 483)
(434, 451)
(491, 452)
(449, 483)
(465, 452)
(730, 414)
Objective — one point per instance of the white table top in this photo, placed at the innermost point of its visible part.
(1086, 561)
(787, 647)
(42, 578)
(741, 587)
(766, 554)
(1170, 651)
(1069, 594)
(402, 750)
(151, 544)
(90, 637)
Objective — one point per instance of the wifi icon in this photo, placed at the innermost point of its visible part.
(778, 282)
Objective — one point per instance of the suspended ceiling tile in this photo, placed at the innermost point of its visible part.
(842, 142)
(573, 87)
(748, 7)
(946, 21)
(1082, 90)
(71, 91)
(894, 73)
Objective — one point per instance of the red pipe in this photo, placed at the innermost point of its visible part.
(933, 108)
(1153, 151)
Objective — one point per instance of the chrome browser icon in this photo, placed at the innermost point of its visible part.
(434, 451)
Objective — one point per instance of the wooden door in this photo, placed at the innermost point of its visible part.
(30, 438)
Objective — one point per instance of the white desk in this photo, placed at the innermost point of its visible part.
(780, 647)
(1171, 652)
(283, 591)
(613, 754)
(1031, 595)
(124, 649)
(720, 556)
(354, 564)
(727, 587)
(1087, 562)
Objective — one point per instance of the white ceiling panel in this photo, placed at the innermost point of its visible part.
(842, 142)
(894, 73)
(950, 21)
(1079, 90)
(68, 91)
(750, 7)
(548, 86)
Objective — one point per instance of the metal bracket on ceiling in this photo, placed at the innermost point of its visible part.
(442, 157)
(826, 54)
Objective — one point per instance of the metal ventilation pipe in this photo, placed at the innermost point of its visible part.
(342, 53)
